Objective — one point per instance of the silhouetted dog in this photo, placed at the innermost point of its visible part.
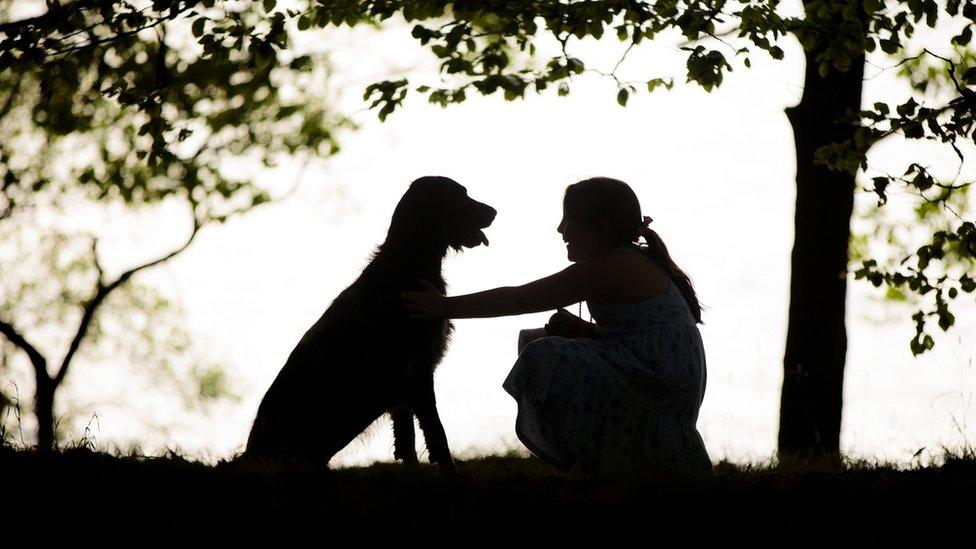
(365, 355)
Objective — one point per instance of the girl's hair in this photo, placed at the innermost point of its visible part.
(612, 203)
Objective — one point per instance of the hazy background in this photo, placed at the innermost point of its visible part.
(715, 171)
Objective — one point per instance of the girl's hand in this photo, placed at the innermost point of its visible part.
(565, 324)
(430, 304)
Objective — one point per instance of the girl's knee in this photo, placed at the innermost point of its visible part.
(542, 346)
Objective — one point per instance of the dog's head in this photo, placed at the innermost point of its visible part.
(439, 211)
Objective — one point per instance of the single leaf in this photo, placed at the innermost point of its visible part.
(622, 96)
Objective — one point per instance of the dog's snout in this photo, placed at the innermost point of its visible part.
(490, 213)
(484, 213)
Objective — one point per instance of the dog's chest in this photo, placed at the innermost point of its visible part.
(429, 347)
(438, 338)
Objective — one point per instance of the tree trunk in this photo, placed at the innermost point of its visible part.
(44, 411)
(816, 340)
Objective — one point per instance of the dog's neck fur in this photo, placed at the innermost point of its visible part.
(411, 259)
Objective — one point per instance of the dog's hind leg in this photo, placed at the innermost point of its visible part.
(404, 441)
(425, 406)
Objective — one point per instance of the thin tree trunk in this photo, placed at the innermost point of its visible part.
(44, 411)
(816, 341)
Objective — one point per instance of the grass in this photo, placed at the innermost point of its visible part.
(496, 499)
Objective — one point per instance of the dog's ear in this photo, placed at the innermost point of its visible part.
(417, 217)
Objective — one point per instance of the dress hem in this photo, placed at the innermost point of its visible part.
(563, 465)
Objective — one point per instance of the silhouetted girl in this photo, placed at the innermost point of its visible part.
(621, 396)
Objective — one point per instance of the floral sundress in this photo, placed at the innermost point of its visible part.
(625, 403)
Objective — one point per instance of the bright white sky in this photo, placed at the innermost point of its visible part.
(715, 171)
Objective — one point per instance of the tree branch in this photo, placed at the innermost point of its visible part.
(14, 92)
(96, 262)
(107, 39)
(58, 42)
(717, 36)
(967, 95)
(36, 358)
(103, 290)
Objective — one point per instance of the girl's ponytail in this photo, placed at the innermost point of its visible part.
(657, 251)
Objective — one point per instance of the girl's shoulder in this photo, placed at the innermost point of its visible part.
(628, 274)
(634, 256)
(623, 252)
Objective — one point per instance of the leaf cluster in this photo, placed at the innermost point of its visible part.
(140, 102)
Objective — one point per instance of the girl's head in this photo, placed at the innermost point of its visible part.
(600, 214)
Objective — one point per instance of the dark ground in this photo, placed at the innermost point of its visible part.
(90, 497)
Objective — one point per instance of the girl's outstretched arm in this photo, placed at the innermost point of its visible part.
(575, 283)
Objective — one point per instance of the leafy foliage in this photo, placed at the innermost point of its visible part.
(941, 267)
(487, 46)
(491, 46)
(141, 102)
(138, 103)
(136, 322)
(928, 276)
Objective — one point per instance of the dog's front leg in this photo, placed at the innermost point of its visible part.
(425, 406)
(404, 443)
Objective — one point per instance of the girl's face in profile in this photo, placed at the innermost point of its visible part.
(582, 242)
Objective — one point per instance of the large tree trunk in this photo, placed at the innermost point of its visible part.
(816, 340)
